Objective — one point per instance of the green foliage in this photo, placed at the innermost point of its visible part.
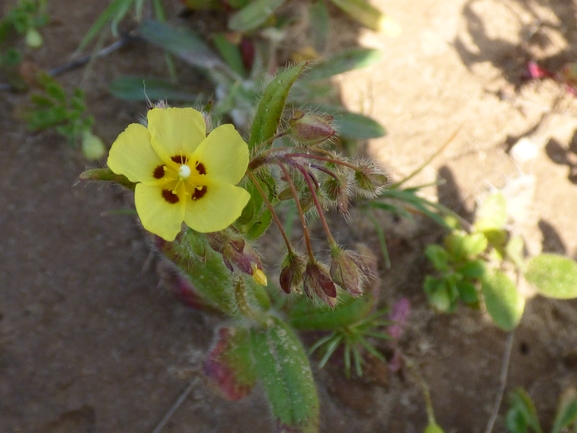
(503, 301)
(353, 333)
(522, 415)
(52, 108)
(25, 19)
(553, 276)
(284, 370)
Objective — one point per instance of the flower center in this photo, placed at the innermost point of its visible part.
(184, 171)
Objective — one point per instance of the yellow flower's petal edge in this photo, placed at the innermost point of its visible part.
(175, 131)
(133, 156)
(224, 154)
(157, 215)
(219, 208)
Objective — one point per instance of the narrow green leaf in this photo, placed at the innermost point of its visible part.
(132, 88)
(230, 53)
(433, 427)
(271, 106)
(522, 413)
(553, 276)
(284, 370)
(567, 413)
(114, 9)
(253, 15)
(307, 316)
(343, 61)
(320, 25)
(356, 126)
(182, 42)
(362, 12)
(504, 303)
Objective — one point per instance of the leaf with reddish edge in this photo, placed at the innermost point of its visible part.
(229, 366)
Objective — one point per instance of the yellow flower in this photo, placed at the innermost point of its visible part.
(181, 174)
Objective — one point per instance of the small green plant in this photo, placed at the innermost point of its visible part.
(522, 415)
(481, 266)
(25, 19)
(51, 107)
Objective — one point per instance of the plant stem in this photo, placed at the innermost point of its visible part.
(299, 209)
(309, 182)
(502, 383)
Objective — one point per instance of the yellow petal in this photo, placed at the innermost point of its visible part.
(133, 156)
(156, 214)
(175, 131)
(219, 208)
(224, 155)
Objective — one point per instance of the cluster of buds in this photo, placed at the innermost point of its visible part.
(237, 253)
(318, 179)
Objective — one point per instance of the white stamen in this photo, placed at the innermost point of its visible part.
(184, 171)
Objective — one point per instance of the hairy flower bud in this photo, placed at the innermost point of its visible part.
(317, 282)
(236, 252)
(309, 129)
(349, 270)
(369, 179)
(291, 275)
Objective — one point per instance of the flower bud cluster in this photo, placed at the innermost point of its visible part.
(237, 253)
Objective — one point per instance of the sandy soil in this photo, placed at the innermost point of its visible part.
(89, 343)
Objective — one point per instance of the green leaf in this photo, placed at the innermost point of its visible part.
(182, 42)
(362, 12)
(462, 246)
(230, 53)
(438, 257)
(438, 294)
(114, 12)
(433, 427)
(271, 106)
(253, 15)
(229, 365)
(285, 373)
(356, 126)
(492, 214)
(320, 25)
(343, 61)
(567, 413)
(522, 413)
(553, 276)
(107, 175)
(305, 315)
(514, 251)
(474, 269)
(504, 303)
(132, 88)
(467, 292)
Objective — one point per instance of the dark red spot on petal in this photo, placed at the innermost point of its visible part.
(169, 196)
(179, 159)
(199, 193)
(200, 168)
(158, 172)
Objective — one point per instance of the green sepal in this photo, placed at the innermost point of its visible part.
(553, 276)
(271, 106)
(284, 370)
(504, 303)
(305, 315)
(107, 175)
